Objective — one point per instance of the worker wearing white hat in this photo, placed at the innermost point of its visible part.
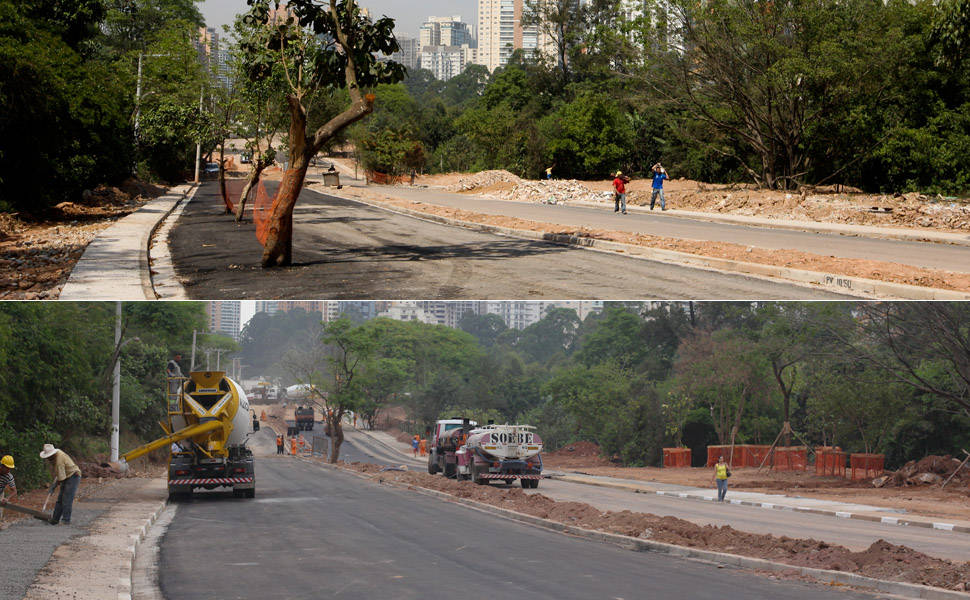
(68, 476)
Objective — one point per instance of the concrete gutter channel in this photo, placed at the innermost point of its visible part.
(852, 286)
(907, 590)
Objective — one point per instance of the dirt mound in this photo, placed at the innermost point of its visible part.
(9, 225)
(137, 188)
(882, 560)
(929, 470)
(483, 179)
(93, 469)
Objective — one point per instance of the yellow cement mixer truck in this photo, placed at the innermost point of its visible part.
(207, 430)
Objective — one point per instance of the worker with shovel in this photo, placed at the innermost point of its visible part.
(6, 481)
(67, 475)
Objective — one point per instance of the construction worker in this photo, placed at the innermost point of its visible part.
(6, 479)
(279, 444)
(423, 447)
(659, 174)
(174, 371)
(414, 445)
(721, 474)
(67, 475)
(293, 446)
(619, 192)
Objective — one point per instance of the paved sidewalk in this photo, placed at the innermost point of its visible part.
(88, 560)
(115, 266)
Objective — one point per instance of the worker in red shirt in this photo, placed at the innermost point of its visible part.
(619, 192)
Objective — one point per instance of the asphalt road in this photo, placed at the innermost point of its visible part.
(851, 533)
(313, 533)
(920, 254)
(347, 250)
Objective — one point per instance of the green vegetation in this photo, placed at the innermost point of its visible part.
(889, 378)
(55, 360)
(68, 74)
(870, 94)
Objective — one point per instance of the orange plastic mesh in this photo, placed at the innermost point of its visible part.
(676, 457)
(866, 466)
(830, 461)
(230, 192)
(262, 211)
(790, 458)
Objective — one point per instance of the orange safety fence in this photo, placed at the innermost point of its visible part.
(830, 461)
(676, 458)
(260, 201)
(713, 452)
(790, 458)
(866, 466)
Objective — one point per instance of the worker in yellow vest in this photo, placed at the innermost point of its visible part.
(721, 474)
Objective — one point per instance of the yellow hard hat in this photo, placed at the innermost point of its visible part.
(7, 461)
(618, 173)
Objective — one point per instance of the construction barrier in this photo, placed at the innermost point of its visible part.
(866, 466)
(830, 461)
(790, 458)
(676, 458)
(385, 179)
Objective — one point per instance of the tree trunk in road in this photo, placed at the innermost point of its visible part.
(222, 173)
(278, 248)
(253, 179)
(337, 437)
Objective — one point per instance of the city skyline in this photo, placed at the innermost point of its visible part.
(407, 14)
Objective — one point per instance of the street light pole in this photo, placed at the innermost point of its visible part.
(198, 146)
(116, 388)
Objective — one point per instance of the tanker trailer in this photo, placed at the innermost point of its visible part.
(208, 427)
(504, 452)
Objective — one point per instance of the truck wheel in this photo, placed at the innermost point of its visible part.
(432, 467)
(451, 470)
(251, 493)
(535, 483)
(476, 478)
(526, 483)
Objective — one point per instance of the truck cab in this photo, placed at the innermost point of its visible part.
(440, 450)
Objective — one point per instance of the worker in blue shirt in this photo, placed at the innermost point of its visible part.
(659, 174)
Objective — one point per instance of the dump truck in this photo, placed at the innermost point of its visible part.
(493, 452)
(304, 417)
(207, 431)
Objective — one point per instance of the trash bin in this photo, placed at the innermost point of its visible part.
(331, 179)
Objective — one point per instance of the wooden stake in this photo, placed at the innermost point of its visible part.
(957, 470)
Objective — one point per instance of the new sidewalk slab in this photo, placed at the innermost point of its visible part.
(115, 266)
(832, 508)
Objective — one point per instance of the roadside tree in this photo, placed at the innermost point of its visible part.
(320, 48)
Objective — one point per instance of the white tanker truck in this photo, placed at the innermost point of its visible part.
(208, 427)
(482, 454)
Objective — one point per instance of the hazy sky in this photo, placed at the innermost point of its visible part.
(409, 14)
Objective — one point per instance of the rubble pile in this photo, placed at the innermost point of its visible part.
(929, 470)
(558, 191)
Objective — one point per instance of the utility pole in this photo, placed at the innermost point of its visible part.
(116, 388)
(138, 99)
(192, 365)
(198, 146)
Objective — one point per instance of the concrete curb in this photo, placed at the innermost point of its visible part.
(115, 265)
(818, 511)
(163, 282)
(908, 590)
(853, 286)
(136, 539)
